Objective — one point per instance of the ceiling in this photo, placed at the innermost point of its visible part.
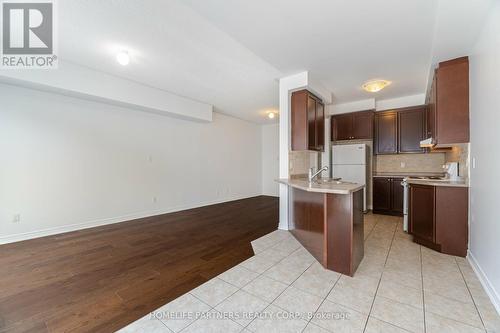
(230, 53)
(172, 48)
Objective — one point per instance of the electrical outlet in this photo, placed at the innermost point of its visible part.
(473, 163)
(16, 218)
(403, 165)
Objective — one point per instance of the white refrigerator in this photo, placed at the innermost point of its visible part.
(349, 163)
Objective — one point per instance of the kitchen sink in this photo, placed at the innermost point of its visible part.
(431, 178)
(337, 181)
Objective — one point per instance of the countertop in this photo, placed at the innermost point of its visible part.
(446, 183)
(407, 174)
(303, 184)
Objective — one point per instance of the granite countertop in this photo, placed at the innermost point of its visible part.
(303, 184)
(407, 174)
(433, 182)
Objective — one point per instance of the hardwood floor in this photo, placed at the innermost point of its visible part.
(101, 279)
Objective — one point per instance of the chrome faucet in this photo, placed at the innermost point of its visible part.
(313, 174)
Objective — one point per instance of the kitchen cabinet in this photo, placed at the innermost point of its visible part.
(397, 192)
(352, 126)
(308, 121)
(411, 129)
(381, 195)
(329, 226)
(341, 127)
(400, 131)
(386, 133)
(388, 196)
(430, 115)
(422, 212)
(320, 125)
(448, 99)
(438, 217)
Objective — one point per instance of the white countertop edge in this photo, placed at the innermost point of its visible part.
(438, 183)
(321, 188)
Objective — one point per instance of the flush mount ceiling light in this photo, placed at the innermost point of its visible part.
(375, 85)
(271, 115)
(123, 58)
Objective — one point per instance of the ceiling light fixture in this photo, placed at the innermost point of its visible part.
(375, 85)
(271, 115)
(123, 58)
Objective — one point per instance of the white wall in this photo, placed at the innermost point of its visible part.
(378, 105)
(302, 80)
(78, 81)
(365, 104)
(287, 84)
(68, 163)
(400, 102)
(270, 159)
(485, 123)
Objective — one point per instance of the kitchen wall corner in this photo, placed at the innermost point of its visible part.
(460, 153)
(301, 161)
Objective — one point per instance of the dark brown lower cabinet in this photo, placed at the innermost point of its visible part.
(438, 217)
(330, 226)
(397, 193)
(388, 196)
(422, 212)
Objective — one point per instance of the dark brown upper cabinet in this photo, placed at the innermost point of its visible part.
(430, 115)
(386, 132)
(352, 126)
(320, 125)
(411, 130)
(400, 131)
(308, 121)
(341, 127)
(448, 99)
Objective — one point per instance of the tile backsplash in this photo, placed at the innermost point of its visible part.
(301, 161)
(460, 153)
(432, 163)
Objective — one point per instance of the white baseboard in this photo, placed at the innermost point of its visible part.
(101, 222)
(485, 282)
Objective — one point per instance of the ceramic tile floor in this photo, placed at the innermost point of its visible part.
(398, 287)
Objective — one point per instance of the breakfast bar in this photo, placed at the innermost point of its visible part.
(326, 217)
